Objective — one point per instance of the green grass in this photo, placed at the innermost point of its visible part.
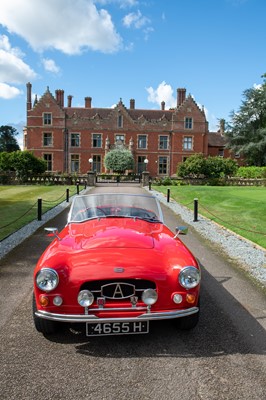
(240, 209)
(18, 204)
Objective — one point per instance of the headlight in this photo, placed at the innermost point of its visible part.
(47, 279)
(189, 277)
(149, 296)
(85, 298)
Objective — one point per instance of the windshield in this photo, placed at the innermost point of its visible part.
(119, 205)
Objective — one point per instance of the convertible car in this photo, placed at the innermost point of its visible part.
(114, 268)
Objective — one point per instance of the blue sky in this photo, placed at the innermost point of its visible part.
(140, 49)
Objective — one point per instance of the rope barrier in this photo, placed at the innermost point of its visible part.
(235, 226)
(5, 226)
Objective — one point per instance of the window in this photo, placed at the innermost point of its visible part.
(47, 119)
(120, 138)
(221, 152)
(120, 121)
(142, 141)
(141, 164)
(96, 140)
(188, 123)
(187, 143)
(163, 164)
(74, 139)
(47, 139)
(163, 142)
(48, 159)
(74, 162)
(96, 163)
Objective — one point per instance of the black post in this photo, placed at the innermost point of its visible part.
(77, 184)
(168, 195)
(195, 210)
(149, 185)
(39, 211)
(67, 195)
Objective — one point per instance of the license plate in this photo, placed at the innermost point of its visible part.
(117, 328)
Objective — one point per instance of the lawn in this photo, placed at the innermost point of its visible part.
(18, 204)
(240, 209)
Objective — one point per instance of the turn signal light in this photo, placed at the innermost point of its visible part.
(44, 301)
(190, 298)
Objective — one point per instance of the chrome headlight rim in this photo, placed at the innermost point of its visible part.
(149, 296)
(189, 277)
(48, 275)
(85, 298)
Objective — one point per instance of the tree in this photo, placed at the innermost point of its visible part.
(119, 160)
(8, 142)
(246, 133)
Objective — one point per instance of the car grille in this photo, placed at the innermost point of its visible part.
(118, 289)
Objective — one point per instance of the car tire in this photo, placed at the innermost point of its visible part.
(189, 322)
(44, 326)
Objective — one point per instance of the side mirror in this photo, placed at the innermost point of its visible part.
(181, 230)
(52, 231)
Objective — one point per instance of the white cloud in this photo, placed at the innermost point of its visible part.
(8, 92)
(50, 65)
(65, 25)
(12, 69)
(164, 93)
(137, 20)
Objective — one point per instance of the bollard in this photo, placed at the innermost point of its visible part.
(195, 210)
(39, 210)
(149, 185)
(67, 195)
(77, 187)
(168, 195)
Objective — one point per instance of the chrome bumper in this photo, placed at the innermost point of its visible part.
(148, 316)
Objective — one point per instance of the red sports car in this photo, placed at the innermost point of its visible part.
(115, 267)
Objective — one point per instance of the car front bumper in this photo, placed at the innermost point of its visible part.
(147, 316)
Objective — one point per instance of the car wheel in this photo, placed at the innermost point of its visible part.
(45, 326)
(187, 323)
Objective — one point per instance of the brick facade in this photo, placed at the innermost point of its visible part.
(68, 137)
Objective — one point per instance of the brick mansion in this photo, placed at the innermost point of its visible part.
(76, 139)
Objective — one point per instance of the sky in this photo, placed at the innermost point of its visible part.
(131, 49)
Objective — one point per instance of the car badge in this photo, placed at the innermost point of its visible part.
(101, 302)
(119, 269)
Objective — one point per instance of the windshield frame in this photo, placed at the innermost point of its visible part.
(115, 205)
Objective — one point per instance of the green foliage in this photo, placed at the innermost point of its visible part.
(198, 166)
(22, 162)
(252, 172)
(246, 133)
(119, 160)
(8, 142)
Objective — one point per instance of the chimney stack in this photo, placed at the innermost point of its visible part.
(29, 105)
(59, 96)
(88, 102)
(181, 96)
(132, 104)
(69, 100)
(162, 105)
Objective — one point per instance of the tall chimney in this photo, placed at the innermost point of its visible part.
(69, 100)
(57, 96)
(163, 105)
(29, 105)
(132, 104)
(88, 102)
(62, 98)
(181, 96)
